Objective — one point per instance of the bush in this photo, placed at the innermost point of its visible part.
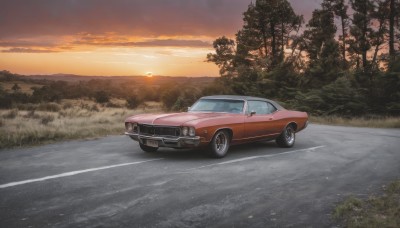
(94, 108)
(27, 106)
(112, 105)
(12, 114)
(49, 107)
(32, 115)
(101, 97)
(132, 102)
(47, 119)
(67, 105)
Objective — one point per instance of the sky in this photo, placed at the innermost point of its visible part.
(119, 37)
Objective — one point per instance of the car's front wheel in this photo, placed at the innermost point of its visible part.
(287, 137)
(148, 149)
(219, 144)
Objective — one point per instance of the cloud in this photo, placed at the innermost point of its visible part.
(116, 40)
(39, 26)
(27, 18)
(144, 17)
(28, 50)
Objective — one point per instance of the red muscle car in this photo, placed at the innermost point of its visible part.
(217, 122)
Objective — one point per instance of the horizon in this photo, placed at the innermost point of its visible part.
(100, 38)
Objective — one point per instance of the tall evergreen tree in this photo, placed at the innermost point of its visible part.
(224, 56)
(394, 8)
(361, 31)
(340, 10)
(266, 32)
(322, 48)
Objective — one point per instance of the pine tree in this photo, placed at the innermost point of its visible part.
(322, 48)
(361, 31)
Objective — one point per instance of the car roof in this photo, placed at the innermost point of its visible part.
(246, 98)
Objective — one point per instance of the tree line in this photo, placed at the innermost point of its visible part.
(343, 61)
(175, 93)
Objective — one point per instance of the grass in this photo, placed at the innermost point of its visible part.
(372, 122)
(381, 211)
(71, 119)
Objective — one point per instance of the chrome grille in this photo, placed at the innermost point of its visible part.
(158, 130)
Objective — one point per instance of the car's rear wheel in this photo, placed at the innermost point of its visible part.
(148, 149)
(287, 137)
(219, 144)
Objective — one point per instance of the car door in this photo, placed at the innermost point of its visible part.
(259, 119)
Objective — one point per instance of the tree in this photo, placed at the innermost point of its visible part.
(224, 55)
(379, 16)
(361, 30)
(260, 46)
(322, 48)
(16, 87)
(391, 29)
(266, 32)
(340, 10)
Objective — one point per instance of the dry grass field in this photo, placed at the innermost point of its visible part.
(71, 119)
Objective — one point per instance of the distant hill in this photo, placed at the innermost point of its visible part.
(121, 79)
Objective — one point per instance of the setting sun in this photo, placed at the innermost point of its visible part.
(149, 74)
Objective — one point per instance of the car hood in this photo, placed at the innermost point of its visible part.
(172, 119)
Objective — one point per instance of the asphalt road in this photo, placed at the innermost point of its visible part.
(110, 182)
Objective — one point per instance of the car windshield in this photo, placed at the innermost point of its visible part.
(218, 105)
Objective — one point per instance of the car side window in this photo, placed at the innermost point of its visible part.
(260, 107)
(271, 108)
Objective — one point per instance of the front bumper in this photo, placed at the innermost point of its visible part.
(175, 142)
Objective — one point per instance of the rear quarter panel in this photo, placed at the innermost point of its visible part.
(284, 117)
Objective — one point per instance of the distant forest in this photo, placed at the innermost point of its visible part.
(174, 92)
(343, 61)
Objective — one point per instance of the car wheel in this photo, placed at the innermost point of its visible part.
(148, 149)
(287, 137)
(219, 144)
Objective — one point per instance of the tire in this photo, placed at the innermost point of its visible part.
(219, 145)
(148, 149)
(287, 137)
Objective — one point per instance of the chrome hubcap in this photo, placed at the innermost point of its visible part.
(289, 135)
(220, 142)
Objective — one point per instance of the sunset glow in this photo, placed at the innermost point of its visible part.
(117, 37)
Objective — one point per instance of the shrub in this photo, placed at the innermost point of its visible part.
(27, 106)
(47, 119)
(101, 97)
(49, 107)
(31, 114)
(11, 114)
(112, 105)
(132, 102)
(94, 108)
(67, 105)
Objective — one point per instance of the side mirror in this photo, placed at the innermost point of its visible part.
(188, 108)
(252, 113)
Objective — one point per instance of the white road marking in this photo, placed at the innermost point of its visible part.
(255, 157)
(73, 173)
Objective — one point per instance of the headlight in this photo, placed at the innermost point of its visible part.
(135, 127)
(128, 127)
(185, 131)
(192, 131)
(188, 131)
